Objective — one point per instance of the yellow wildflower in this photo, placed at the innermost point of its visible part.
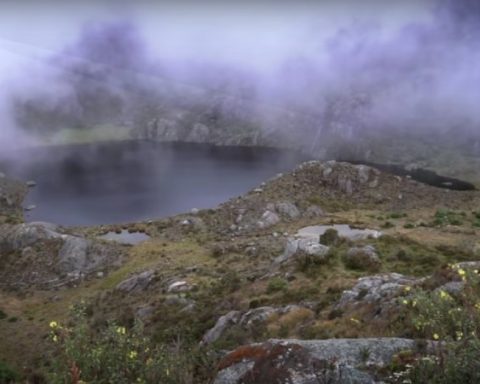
(405, 302)
(435, 336)
(55, 338)
(408, 289)
(133, 355)
(477, 306)
(121, 330)
(461, 272)
(53, 324)
(459, 335)
(444, 295)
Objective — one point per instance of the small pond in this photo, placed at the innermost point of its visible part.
(343, 230)
(125, 237)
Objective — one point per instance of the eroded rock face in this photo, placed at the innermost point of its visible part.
(44, 255)
(335, 361)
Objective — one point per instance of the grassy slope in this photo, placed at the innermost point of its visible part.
(23, 339)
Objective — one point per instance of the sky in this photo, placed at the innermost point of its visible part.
(250, 33)
(414, 60)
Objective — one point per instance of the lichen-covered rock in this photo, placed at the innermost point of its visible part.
(136, 283)
(268, 219)
(73, 255)
(145, 312)
(364, 258)
(46, 255)
(378, 289)
(336, 361)
(23, 235)
(254, 317)
(303, 247)
(314, 211)
(287, 209)
(222, 324)
(193, 222)
(179, 286)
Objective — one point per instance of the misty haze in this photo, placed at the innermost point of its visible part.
(239, 192)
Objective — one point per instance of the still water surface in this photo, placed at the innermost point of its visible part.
(131, 181)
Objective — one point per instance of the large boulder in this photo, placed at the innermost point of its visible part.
(268, 219)
(380, 290)
(336, 361)
(46, 255)
(297, 248)
(17, 237)
(73, 255)
(287, 209)
(222, 325)
(254, 317)
(363, 258)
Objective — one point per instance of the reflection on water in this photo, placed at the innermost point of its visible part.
(137, 180)
(125, 237)
(343, 230)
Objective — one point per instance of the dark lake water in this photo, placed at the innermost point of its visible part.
(131, 181)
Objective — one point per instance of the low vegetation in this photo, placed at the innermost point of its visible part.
(117, 354)
(452, 320)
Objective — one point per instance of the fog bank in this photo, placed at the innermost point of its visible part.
(312, 73)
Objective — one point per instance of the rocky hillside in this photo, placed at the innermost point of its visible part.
(301, 280)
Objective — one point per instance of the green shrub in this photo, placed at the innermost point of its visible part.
(447, 217)
(7, 374)
(397, 215)
(454, 321)
(120, 355)
(3, 315)
(329, 237)
(277, 284)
